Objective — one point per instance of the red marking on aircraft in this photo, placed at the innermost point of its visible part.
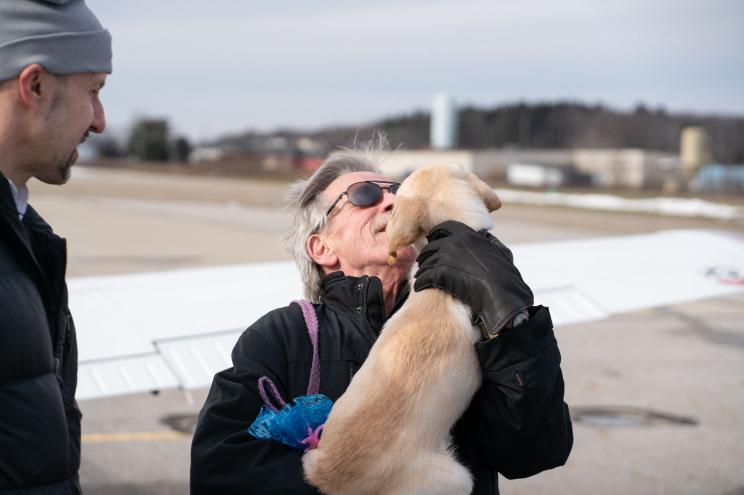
(726, 275)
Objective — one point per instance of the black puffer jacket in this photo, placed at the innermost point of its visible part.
(39, 419)
(517, 424)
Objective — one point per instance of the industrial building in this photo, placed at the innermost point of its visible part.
(621, 168)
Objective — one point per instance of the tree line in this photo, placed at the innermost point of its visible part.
(559, 125)
(518, 125)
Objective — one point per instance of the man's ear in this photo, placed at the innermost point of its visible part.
(34, 82)
(321, 252)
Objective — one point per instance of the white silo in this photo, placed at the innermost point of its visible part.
(694, 150)
(443, 129)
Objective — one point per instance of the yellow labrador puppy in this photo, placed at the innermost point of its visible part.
(389, 432)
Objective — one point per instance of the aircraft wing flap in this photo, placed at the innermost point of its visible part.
(195, 360)
(124, 375)
(569, 305)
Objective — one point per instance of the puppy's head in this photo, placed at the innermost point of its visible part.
(435, 194)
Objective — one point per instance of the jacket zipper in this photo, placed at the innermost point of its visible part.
(64, 260)
(64, 330)
(363, 294)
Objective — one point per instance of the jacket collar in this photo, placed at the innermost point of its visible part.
(33, 220)
(13, 233)
(361, 295)
(9, 213)
(7, 203)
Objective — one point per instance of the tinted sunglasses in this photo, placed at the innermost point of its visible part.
(366, 193)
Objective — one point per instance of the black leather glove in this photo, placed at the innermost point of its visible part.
(477, 269)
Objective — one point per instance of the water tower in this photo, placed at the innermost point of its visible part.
(443, 130)
(694, 150)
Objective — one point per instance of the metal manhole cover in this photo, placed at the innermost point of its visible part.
(623, 416)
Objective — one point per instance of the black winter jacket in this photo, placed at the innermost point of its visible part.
(39, 419)
(517, 424)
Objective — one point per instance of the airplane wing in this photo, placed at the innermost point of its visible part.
(149, 331)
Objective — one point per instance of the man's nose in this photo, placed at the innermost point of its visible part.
(98, 125)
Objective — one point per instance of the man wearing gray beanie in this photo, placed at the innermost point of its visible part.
(54, 58)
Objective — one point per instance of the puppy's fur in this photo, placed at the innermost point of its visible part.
(389, 432)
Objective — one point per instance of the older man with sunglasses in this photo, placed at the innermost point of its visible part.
(517, 424)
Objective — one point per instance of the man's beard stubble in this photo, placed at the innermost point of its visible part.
(60, 173)
(61, 170)
(65, 169)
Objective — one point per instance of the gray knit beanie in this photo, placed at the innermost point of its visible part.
(62, 35)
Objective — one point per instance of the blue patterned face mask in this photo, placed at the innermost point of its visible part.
(298, 424)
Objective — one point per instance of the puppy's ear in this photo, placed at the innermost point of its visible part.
(486, 193)
(406, 224)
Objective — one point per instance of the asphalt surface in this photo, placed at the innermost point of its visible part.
(658, 395)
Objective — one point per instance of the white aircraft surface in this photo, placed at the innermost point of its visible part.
(150, 331)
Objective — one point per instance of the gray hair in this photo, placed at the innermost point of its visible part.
(308, 207)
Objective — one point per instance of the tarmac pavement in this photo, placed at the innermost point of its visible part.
(670, 380)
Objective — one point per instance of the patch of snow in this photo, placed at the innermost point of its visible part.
(680, 207)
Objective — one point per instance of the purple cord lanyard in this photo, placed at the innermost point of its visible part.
(311, 321)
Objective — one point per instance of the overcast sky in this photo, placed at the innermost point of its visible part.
(229, 65)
